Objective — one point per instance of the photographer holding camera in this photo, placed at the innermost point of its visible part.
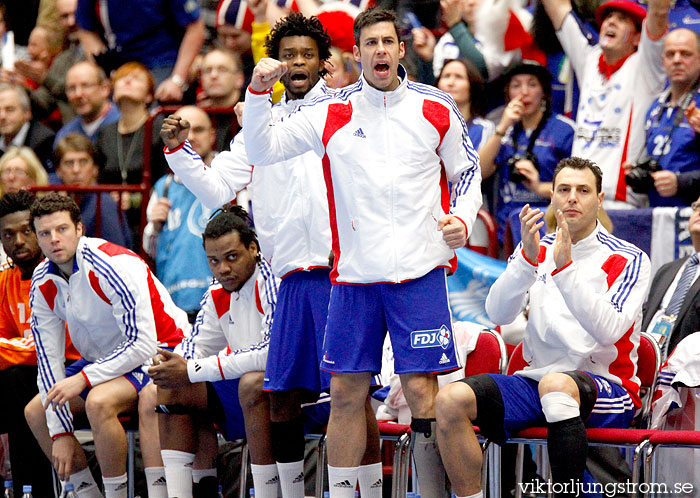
(669, 171)
(528, 142)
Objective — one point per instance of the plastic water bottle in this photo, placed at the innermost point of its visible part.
(9, 492)
(27, 491)
(69, 491)
(326, 494)
(251, 492)
(221, 492)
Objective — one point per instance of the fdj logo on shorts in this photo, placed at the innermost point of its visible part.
(431, 338)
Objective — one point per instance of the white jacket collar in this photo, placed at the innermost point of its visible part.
(317, 90)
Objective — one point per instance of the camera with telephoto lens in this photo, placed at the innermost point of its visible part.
(515, 175)
(639, 178)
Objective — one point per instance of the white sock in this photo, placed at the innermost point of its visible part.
(155, 482)
(85, 485)
(371, 480)
(342, 481)
(558, 406)
(116, 487)
(480, 494)
(178, 472)
(266, 480)
(291, 479)
(199, 474)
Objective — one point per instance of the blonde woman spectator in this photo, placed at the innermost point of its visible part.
(20, 169)
(344, 70)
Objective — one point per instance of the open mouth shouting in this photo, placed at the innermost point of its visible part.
(296, 79)
(381, 69)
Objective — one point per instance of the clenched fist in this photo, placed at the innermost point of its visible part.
(267, 72)
(174, 131)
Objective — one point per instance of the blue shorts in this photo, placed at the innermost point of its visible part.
(415, 313)
(522, 407)
(225, 405)
(137, 376)
(296, 337)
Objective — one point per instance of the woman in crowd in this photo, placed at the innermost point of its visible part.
(461, 79)
(20, 169)
(528, 142)
(120, 144)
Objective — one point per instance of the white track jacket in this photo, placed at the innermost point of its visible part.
(116, 310)
(388, 159)
(585, 316)
(231, 334)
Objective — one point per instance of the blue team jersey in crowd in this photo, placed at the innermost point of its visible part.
(684, 15)
(181, 264)
(679, 154)
(479, 130)
(148, 31)
(552, 145)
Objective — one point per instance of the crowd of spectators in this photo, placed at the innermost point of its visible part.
(93, 68)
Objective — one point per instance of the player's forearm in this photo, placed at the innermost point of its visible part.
(266, 144)
(122, 360)
(657, 18)
(508, 295)
(189, 48)
(557, 10)
(211, 185)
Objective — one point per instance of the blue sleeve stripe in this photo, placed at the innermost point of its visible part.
(270, 284)
(189, 342)
(618, 245)
(188, 148)
(46, 376)
(629, 280)
(255, 347)
(549, 238)
(126, 298)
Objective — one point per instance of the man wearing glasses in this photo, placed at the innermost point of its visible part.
(671, 311)
(88, 89)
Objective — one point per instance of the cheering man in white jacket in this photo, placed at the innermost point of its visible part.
(389, 150)
(586, 289)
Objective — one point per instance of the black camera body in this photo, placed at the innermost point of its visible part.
(639, 178)
(515, 175)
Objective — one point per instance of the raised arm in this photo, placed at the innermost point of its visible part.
(557, 10)
(508, 295)
(267, 143)
(213, 185)
(657, 18)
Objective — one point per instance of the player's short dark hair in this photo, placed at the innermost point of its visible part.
(295, 24)
(374, 16)
(53, 202)
(231, 218)
(580, 163)
(13, 202)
